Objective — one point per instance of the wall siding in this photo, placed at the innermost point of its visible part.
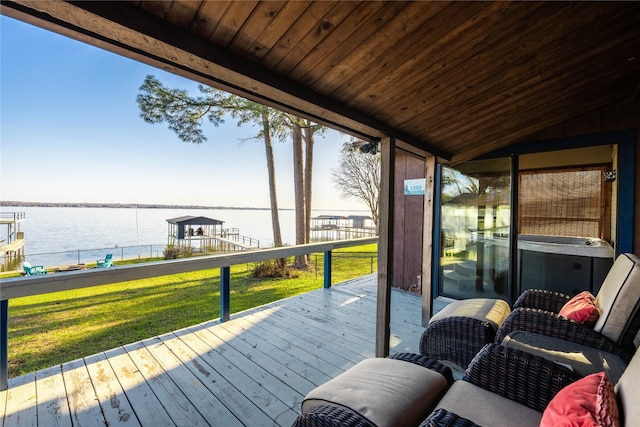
(408, 224)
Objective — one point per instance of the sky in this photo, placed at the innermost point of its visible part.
(71, 131)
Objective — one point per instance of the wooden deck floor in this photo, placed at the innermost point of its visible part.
(253, 370)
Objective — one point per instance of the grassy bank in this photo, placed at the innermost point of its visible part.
(47, 330)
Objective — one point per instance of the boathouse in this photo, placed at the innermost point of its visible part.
(338, 227)
(206, 235)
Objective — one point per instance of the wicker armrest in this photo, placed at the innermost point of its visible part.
(331, 416)
(426, 362)
(443, 418)
(541, 299)
(522, 377)
(456, 339)
(553, 325)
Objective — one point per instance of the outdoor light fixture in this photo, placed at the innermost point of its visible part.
(365, 147)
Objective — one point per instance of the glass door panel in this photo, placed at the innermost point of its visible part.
(475, 228)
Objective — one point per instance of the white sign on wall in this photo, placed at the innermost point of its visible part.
(414, 187)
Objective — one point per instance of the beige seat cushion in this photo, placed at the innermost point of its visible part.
(628, 392)
(581, 358)
(619, 297)
(485, 408)
(387, 392)
(493, 311)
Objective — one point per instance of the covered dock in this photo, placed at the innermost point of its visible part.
(338, 227)
(207, 234)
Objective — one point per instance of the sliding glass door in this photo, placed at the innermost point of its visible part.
(475, 229)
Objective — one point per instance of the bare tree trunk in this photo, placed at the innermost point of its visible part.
(298, 178)
(268, 145)
(308, 173)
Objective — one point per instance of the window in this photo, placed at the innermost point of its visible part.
(562, 202)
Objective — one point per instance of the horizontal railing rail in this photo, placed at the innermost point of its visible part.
(16, 216)
(245, 240)
(88, 256)
(51, 260)
(18, 287)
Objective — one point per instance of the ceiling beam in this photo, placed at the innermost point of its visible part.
(122, 28)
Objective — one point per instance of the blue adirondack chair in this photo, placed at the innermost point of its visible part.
(33, 271)
(105, 262)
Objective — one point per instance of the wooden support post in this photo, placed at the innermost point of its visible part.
(225, 291)
(327, 269)
(430, 233)
(385, 246)
(4, 344)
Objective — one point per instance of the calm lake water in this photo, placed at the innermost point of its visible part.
(58, 236)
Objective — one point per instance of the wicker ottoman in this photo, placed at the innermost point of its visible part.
(399, 391)
(458, 331)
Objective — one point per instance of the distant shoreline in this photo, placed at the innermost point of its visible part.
(121, 205)
(144, 206)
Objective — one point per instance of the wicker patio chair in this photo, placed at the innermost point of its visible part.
(525, 379)
(457, 337)
(443, 418)
(462, 328)
(614, 332)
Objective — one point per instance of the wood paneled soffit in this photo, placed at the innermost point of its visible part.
(456, 79)
(128, 30)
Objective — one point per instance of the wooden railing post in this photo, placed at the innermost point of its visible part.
(327, 269)
(225, 292)
(4, 344)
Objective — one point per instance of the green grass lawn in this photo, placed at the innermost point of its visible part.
(47, 330)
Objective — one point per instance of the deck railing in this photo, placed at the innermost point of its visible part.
(15, 216)
(44, 284)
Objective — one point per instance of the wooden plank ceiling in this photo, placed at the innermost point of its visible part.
(457, 79)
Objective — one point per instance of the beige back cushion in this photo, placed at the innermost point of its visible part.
(489, 310)
(618, 297)
(628, 392)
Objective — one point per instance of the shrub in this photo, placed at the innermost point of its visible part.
(173, 252)
(186, 251)
(273, 268)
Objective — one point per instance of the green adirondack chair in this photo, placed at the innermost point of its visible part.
(33, 271)
(105, 262)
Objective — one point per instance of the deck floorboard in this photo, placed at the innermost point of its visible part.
(253, 370)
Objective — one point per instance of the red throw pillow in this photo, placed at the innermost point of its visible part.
(590, 401)
(582, 309)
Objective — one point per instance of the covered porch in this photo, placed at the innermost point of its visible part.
(434, 85)
(252, 370)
